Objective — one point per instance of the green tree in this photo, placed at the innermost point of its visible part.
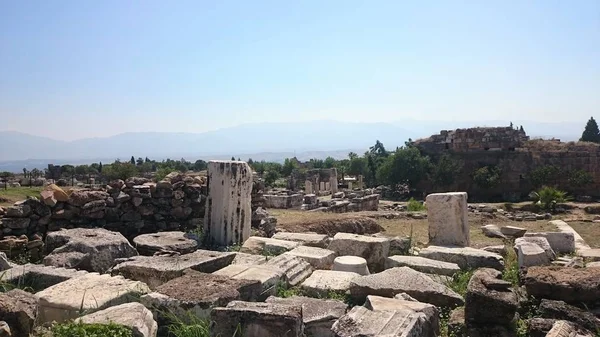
(580, 178)
(233, 158)
(200, 165)
(487, 177)
(357, 166)
(271, 177)
(406, 166)
(132, 160)
(288, 166)
(100, 167)
(139, 161)
(445, 170)
(591, 132)
(544, 175)
(118, 170)
(329, 162)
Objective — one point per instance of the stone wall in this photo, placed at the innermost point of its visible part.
(284, 201)
(475, 139)
(516, 165)
(130, 207)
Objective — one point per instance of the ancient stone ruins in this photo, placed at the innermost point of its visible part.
(145, 255)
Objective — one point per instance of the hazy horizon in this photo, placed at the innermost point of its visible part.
(75, 70)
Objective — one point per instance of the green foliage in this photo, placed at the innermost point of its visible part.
(191, 326)
(289, 165)
(521, 328)
(487, 177)
(445, 171)
(544, 175)
(460, 281)
(119, 170)
(270, 177)
(580, 178)
(415, 206)
(162, 173)
(547, 197)
(285, 292)
(73, 329)
(511, 266)
(329, 162)
(591, 133)
(357, 166)
(405, 166)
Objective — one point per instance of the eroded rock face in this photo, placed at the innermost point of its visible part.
(87, 249)
(572, 285)
(149, 244)
(562, 311)
(18, 309)
(132, 315)
(489, 299)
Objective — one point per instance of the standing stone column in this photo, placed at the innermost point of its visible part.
(333, 181)
(447, 215)
(228, 207)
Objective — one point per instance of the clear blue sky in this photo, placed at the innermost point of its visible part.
(73, 69)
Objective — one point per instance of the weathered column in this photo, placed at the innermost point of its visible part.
(333, 180)
(228, 207)
(322, 186)
(447, 215)
(308, 187)
(360, 182)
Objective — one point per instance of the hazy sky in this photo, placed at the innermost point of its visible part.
(72, 69)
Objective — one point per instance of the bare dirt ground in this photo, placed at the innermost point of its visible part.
(292, 220)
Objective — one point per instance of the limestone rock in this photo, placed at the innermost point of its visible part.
(81, 197)
(466, 258)
(321, 282)
(318, 315)
(18, 211)
(492, 231)
(149, 244)
(540, 241)
(38, 277)
(489, 299)
(318, 258)
(562, 329)
(268, 276)
(499, 249)
(259, 245)
(353, 264)
(249, 259)
(87, 249)
(447, 218)
(296, 270)
(560, 242)
(562, 311)
(132, 315)
(18, 309)
(156, 270)
(305, 239)
(361, 321)
(257, 320)
(512, 231)
(530, 254)
(422, 264)
(90, 293)
(405, 280)
(4, 264)
(572, 285)
(431, 312)
(373, 249)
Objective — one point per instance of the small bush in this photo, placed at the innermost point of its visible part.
(73, 329)
(415, 206)
(511, 267)
(548, 197)
(460, 281)
(285, 292)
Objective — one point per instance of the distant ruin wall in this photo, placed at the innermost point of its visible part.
(133, 207)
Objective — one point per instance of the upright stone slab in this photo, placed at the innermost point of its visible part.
(447, 217)
(228, 207)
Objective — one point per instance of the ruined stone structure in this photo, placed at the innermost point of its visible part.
(515, 156)
(321, 180)
(228, 212)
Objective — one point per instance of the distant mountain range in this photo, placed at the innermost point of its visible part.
(263, 141)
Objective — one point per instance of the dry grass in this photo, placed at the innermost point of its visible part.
(14, 194)
(589, 231)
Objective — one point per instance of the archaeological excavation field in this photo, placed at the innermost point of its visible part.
(221, 256)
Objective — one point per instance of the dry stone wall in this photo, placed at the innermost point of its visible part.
(130, 207)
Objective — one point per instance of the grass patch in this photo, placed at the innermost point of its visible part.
(192, 327)
(460, 281)
(73, 329)
(14, 194)
(415, 206)
(511, 266)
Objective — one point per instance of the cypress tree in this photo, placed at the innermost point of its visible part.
(591, 132)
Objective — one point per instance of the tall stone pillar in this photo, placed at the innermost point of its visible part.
(333, 181)
(360, 182)
(447, 215)
(308, 187)
(228, 207)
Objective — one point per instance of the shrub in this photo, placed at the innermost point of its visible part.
(415, 206)
(487, 177)
(460, 281)
(73, 329)
(547, 197)
(511, 266)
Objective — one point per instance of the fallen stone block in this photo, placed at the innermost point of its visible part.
(322, 282)
(318, 315)
(465, 257)
(562, 329)
(197, 293)
(530, 254)
(372, 249)
(590, 255)
(305, 239)
(489, 299)
(422, 264)
(560, 242)
(88, 293)
(405, 280)
(572, 285)
(492, 231)
(512, 231)
(361, 321)
(268, 276)
(499, 249)
(38, 277)
(447, 215)
(565, 228)
(541, 242)
(257, 320)
(149, 244)
(156, 270)
(131, 315)
(353, 264)
(318, 258)
(87, 249)
(562, 311)
(295, 269)
(259, 245)
(18, 309)
(431, 312)
(249, 259)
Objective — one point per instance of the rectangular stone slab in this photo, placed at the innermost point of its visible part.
(447, 215)
(321, 282)
(319, 258)
(38, 277)
(257, 319)
(156, 270)
(361, 321)
(422, 264)
(465, 257)
(88, 293)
